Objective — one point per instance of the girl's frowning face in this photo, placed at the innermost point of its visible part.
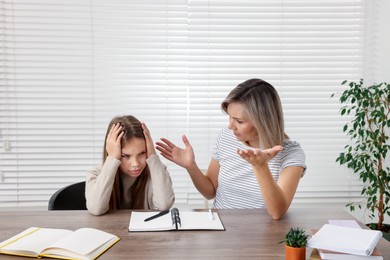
(133, 158)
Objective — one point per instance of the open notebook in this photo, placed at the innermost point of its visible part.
(189, 220)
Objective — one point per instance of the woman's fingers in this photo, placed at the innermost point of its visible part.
(259, 156)
(167, 142)
(273, 151)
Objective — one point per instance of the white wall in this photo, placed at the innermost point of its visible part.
(382, 53)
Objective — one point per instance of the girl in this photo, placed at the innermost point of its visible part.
(132, 175)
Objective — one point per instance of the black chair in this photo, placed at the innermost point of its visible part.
(71, 197)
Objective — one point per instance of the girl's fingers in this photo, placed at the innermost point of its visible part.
(115, 129)
(144, 127)
(115, 135)
(120, 135)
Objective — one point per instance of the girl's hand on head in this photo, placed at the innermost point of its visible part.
(113, 141)
(183, 157)
(149, 141)
(259, 157)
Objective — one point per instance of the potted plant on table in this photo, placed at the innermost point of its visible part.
(295, 241)
(369, 107)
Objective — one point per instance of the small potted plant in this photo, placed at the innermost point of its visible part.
(295, 241)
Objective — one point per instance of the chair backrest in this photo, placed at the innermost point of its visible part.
(71, 197)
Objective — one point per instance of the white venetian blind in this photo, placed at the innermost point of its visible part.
(68, 67)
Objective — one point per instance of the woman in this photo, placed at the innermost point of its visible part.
(254, 163)
(132, 175)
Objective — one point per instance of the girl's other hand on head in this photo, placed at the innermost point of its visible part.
(149, 141)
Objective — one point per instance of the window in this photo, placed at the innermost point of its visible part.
(68, 67)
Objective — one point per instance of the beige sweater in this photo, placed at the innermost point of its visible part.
(159, 192)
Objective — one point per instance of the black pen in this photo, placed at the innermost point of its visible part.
(161, 213)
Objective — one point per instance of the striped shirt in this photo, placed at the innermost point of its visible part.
(237, 183)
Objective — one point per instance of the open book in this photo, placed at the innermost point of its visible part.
(84, 243)
(188, 220)
(348, 240)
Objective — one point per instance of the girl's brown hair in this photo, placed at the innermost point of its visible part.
(132, 128)
(262, 103)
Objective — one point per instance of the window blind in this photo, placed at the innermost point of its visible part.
(70, 66)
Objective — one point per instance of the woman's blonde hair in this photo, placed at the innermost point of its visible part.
(132, 128)
(262, 104)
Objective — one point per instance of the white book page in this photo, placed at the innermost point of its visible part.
(36, 241)
(192, 220)
(138, 223)
(83, 241)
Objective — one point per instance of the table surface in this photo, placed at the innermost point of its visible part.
(250, 233)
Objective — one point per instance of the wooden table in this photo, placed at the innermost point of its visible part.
(250, 233)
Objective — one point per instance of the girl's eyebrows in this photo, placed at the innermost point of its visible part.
(143, 151)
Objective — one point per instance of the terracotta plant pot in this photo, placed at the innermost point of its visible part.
(295, 253)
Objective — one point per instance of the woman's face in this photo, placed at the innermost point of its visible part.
(133, 158)
(241, 125)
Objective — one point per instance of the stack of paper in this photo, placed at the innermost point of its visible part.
(326, 254)
(341, 242)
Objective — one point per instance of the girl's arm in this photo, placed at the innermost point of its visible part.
(100, 181)
(98, 186)
(162, 196)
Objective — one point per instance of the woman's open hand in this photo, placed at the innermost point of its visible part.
(259, 157)
(183, 157)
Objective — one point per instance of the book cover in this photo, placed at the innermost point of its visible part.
(189, 220)
(327, 254)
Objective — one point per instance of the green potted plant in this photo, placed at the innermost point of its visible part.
(295, 244)
(369, 108)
